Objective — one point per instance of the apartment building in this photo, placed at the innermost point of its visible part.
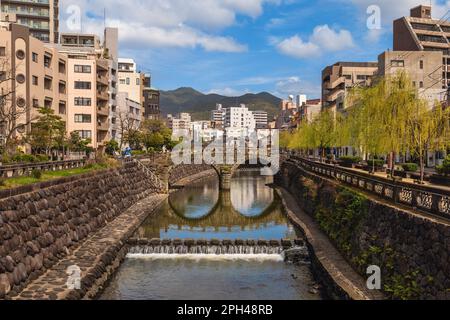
(261, 119)
(218, 117)
(150, 99)
(420, 32)
(182, 121)
(424, 68)
(240, 117)
(130, 79)
(33, 73)
(310, 110)
(340, 77)
(288, 104)
(128, 115)
(89, 87)
(41, 16)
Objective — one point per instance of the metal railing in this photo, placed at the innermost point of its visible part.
(426, 198)
(18, 170)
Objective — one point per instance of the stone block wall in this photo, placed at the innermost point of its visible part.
(38, 228)
(184, 171)
(412, 250)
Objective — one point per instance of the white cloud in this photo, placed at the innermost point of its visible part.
(322, 39)
(294, 85)
(229, 92)
(168, 23)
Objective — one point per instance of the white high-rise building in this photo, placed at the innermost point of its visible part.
(301, 100)
(240, 117)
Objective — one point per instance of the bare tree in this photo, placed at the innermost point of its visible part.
(127, 127)
(13, 118)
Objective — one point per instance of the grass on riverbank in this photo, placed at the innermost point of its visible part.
(10, 183)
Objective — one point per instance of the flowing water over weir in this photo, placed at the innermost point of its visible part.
(184, 252)
(278, 250)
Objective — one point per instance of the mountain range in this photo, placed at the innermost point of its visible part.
(200, 105)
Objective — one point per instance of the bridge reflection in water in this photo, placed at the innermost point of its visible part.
(251, 210)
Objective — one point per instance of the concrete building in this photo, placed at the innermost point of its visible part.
(130, 79)
(338, 78)
(33, 73)
(180, 122)
(423, 67)
(420, 32)
(88, 80)
(128, 115)
(240, 117)
(150, 99)
(289, 104)
(218, 117)
(310, 110)
(41, 16)
(261, 119)
(300, 100)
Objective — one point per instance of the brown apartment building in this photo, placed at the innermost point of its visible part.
(420, 32)
(340, 77)
(89, 101)
(33, 73)
(151, 99)
(41, 16)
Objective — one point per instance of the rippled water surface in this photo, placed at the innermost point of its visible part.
(250, 211)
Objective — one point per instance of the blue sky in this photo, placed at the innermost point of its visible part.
(236, 46)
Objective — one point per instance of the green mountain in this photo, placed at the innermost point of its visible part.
(200, 105)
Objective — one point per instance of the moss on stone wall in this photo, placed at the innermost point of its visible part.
(372, 234)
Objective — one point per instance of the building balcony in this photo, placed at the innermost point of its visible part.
(103, 80)
(103, 95)
(103, 111)
(103, 126)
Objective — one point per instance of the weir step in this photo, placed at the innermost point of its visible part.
(285, 243)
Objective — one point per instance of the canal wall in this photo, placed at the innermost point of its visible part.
(183, 175)
(39, 229)
(411, 249)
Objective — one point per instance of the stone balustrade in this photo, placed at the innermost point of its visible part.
(429, 199)
(18, 170)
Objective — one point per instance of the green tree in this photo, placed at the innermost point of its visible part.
(112, 147)
(48, 132)
(428, 131)
(77, 144)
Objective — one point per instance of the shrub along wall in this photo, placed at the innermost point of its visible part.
(412, 251)
(39, 228)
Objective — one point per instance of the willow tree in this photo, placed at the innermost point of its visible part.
(365, 127)
(400, 98)
(428, 131)
(321, 133)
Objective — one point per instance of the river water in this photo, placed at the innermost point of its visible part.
(251, 210)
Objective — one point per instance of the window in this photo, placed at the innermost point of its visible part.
(2, 76)
(62, 108)
(361, 77)
(83, 118)
(35, 103)
(348, 76)
(128, 81)
(35, 57)
(113, 120)
(398, 63)
(2, 51)
(421, 64)
(421, 84)
(87, 102)
(414, 84)
(47, 61)
(83, 85)
(35, 81)
(85, 134)
(122, 81)
(82, 69)
(138, 82)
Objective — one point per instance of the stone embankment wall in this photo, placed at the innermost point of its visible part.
(39, 228)
(412, 250)
(184, 174)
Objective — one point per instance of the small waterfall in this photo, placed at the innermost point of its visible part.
(285, 250)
